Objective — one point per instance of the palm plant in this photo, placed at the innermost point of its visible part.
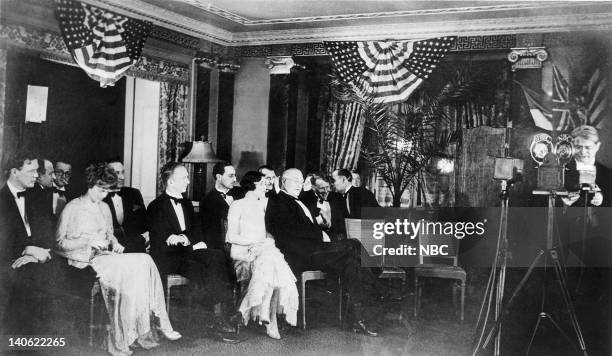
(404, 136)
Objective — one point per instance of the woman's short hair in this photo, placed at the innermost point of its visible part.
(249, 179)
(587, 132)
(100, 174)
(166, 171)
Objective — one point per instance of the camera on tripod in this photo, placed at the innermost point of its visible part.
(551, 159)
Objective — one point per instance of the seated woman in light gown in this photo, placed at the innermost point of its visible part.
(130, 283)
(271, 284)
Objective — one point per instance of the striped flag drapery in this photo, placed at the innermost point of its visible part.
(389, 71)
(539, 107)
(102, 43)
(594, 99)
(563, 111)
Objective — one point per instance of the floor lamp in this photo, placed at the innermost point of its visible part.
(201, 153)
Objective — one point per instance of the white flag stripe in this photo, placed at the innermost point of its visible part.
(540, 120)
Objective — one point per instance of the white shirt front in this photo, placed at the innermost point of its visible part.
(118, 205)
(21, 206)
(56, 197)
(178, 209)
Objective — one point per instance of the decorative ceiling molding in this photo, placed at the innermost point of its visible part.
(407, 30)
(206, 6)
(537, 24)
(143, 11)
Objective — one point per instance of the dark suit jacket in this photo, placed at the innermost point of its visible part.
(296, 236)
(42, 200)
(337, 230)
(162, 223)
(213, 214)
(13, 234)
(134, 219)
(359, 197)
(603, 181)
(30, 285)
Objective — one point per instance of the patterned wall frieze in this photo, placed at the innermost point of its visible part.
(34, 39)
(174, 37)
(52, 47)
(480, 43)
(468, 43)
(160, 70)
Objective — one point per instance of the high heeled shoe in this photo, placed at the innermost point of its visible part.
(360, 327)
(236, 322)
(171, 335)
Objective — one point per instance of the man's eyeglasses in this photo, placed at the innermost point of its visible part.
(62, 173)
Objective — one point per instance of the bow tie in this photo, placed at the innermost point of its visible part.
(223, 195)
(58, 191)
(177, 200)
(321, 200)
(112, 194)
(21, 194)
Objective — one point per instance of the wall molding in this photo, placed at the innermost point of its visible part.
(468, 43)
(52, 47)
(570, 20)
(534, 24)
(228, 15)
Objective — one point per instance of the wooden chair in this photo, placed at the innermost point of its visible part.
(449, 270)
(175, 280)
(95, 290)
(362, 230)
(312, 276)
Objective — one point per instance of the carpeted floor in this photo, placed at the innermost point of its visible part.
(437, 330)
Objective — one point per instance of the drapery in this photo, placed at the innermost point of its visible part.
(104, 44)
(343, 133)
(173, 134)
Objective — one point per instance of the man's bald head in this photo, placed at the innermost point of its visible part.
(293, 180)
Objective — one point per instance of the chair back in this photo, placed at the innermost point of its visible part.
(426, 241)
(362, 230)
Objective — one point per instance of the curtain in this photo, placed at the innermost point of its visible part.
(342, 133)
(173, 133)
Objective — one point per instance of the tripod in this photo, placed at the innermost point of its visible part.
(551, 252)
(497, 278)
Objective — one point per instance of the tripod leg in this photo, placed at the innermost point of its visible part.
(568, 300)
(506, 309)
(535, 331)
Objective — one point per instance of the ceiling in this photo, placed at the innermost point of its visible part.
(255, 22)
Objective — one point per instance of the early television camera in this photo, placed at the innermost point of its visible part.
(551, 159)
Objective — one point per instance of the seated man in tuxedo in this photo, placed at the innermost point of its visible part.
(177, 247)
(42, 192)
(307, 247)
(329, 217)
(61, 193)
(26, 238)
(215, 205)
(270, 179)
(128, 211)
(351, 197)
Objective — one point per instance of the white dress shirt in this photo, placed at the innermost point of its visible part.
(21, 206)
(178, 209)
(118, 205)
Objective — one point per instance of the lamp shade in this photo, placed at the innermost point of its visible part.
(201, 152)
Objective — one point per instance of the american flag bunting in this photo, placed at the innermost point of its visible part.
(102, 43)
(388, 70)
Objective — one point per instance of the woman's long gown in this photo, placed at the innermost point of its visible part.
(271, 289)
(130, 283)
